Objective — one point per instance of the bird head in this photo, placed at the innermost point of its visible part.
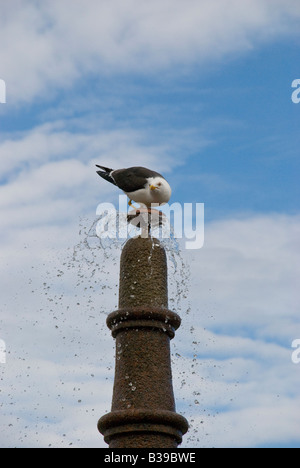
(155, 187)
(161, 189)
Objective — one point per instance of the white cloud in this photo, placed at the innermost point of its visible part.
(56, 141)
(232, 356)
(50, 45)
(261, 253)
(243, 317)
(233, 374)
(48, 173)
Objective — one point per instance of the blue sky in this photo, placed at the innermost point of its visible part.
(236, 118)
(202, 94)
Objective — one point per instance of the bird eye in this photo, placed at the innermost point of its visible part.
(159, 184)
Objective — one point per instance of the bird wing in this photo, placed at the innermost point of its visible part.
(132, 179)
(106, 174)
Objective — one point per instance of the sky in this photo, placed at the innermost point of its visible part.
(200, 91)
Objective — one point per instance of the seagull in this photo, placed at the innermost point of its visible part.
(140, 184)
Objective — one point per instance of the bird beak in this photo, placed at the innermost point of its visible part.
(153, 187)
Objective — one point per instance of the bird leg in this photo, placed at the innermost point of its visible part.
(132, 205)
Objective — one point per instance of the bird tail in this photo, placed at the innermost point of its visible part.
(106, 174)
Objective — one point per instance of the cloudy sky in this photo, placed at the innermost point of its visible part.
(200, 90)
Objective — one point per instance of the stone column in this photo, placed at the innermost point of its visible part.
(143, 405)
